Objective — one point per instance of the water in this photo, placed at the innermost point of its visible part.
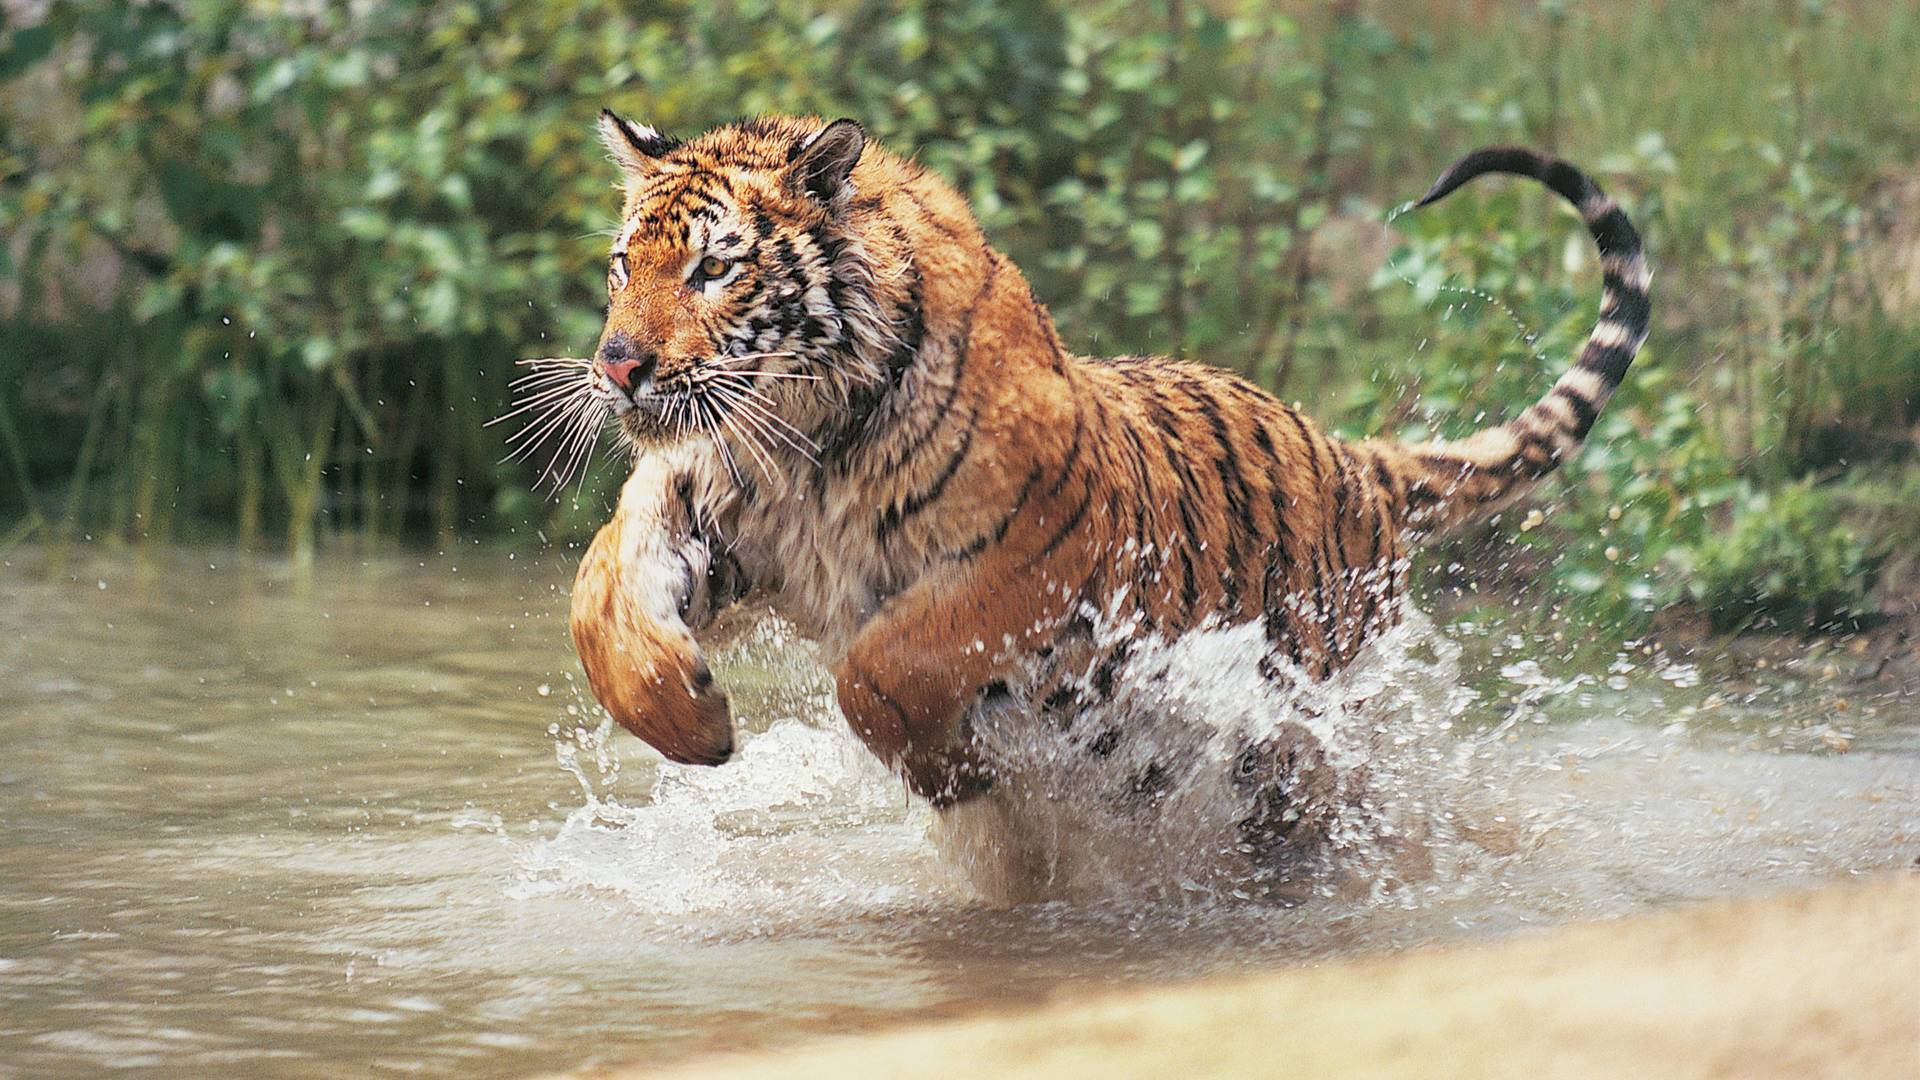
(369, 823)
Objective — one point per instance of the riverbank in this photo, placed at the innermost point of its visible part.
(1807, 984)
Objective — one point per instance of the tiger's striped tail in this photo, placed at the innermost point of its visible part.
(1449, 484)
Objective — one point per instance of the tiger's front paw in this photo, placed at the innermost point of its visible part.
(646, 577)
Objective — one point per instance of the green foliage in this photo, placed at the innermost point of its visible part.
(267, 266)
(1784, 559)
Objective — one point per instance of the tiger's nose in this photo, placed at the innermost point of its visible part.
(625, 373)
(625, 365)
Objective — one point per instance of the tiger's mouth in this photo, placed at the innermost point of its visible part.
(648, 419)
(668, 411)
(736, 409)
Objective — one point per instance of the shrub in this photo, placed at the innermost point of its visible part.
(1785, 559)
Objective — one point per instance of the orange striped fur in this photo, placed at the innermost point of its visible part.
(866, 417)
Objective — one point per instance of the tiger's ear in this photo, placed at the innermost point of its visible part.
(633, 146)
(822, 164)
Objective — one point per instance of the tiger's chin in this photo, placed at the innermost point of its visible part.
(646, 430)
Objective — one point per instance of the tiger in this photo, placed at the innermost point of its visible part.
(840, 397)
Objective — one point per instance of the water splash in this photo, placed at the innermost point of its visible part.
(1377, 779)
(801, 822)
(1364, 770)
(1545, 795)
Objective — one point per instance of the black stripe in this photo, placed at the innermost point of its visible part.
(1163, 417)
(1358, 480)
(1530, 460)
(1378, 503)
(1233, 482)
(1185, 487)
(972, 550)
(1073, 454)
(1189, 588)
(1329, 616)
(1183, 490)
(831, 246)
(1610, 362)
(861, 412)
(1385, 477)
(897, 515)
(1047, 330)
(1073, 521)
(949, 231)
(963, 346)
(1537, 454)
(1264, 438)
(1614, 234)
(1233, 486)
(1626, 303)
(1584, 413)
(1277, 623)
(1341, 493)
(999, 532)
(1143, 493)
(1145, 575)
(1019, 503)
(1306, 437)
(1285, 538)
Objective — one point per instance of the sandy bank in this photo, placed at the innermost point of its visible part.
(1825, 983)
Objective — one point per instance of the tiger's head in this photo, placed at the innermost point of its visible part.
(742, 302)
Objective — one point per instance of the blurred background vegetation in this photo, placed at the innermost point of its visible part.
(267, 263)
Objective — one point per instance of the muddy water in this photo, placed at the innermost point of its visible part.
(367, 823)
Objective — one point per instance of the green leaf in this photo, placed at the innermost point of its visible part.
(26, 48)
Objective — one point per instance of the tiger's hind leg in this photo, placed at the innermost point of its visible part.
(1292, 790)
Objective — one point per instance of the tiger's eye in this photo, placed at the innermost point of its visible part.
(713, 267)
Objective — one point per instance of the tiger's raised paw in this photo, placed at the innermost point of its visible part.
(647, 581)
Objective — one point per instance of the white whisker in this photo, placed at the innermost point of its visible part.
(756, 373)
(538, 431)
(728, 361)
(756, 419)
(765, 421)
(542, 378)
(582, 452)
(586, 463)
(730, 420)
(726, 455)
(536, 401)
(765, 405)
(538, 428)
(582, 428)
